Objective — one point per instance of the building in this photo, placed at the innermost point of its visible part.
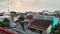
(58, 14)
(42, 23)
(3, 17)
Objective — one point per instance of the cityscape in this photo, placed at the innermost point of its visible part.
(44, 22)
(29, 16)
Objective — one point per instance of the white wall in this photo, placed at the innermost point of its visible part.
(49, 29)
(2, 17)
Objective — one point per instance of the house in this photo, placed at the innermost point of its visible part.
(2, 13)
(59, 18)
(2, 18)
(58, 14)
(42, 23)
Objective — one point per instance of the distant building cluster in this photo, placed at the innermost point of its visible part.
(38, 21)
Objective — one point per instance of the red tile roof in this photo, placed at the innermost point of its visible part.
(40, 24)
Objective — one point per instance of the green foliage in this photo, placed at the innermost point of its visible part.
(5, 23)
(1, 23)
(56, 29)
(13, 13)
(21, 18)
(6, 20)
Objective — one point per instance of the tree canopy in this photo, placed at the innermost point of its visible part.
(56, 29)
(13, 13)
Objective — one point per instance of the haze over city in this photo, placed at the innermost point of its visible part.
(29, 5)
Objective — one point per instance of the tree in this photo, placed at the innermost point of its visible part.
(1, 23)
(56, 29)
(21, 18)
(6, 22)
(13, 14)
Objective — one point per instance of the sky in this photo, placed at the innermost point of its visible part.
(29, 5)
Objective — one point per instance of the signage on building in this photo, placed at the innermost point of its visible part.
(43, 17)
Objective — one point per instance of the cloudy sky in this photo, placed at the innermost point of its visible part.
(29, 5)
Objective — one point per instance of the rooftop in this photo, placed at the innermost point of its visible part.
(40, 24)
